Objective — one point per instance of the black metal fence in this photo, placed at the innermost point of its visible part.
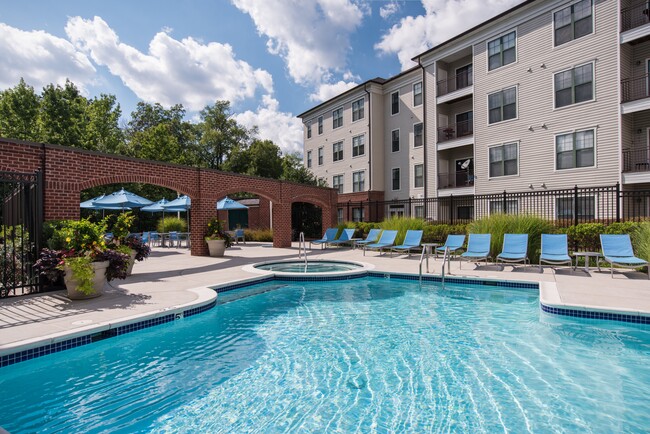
(635, 88)
(565, 207)
(21, 217)
(635, 15)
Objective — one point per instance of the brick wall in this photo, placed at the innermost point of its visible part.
(68, 171)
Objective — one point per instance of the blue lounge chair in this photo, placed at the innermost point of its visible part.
(453, 243)
(239, 235)
(478, 247)
(555, 250)
(328, 237)
(145, 237)
(373, 236)
(411, 241)
(345, 238)
(174, 239)
(155, 238)
(515, 249)
(617, 250)
(387, 239)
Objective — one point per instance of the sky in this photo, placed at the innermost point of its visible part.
(272, 59)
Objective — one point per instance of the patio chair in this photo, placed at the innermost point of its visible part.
(345, 238)
(453, 243)
(108, 237)
(478, 248)
(239, 235)
(329, 236)
(145, 237)
(411, 241)
(372, 237)
(515, 249)
(155, 238)
(555, 250)
(617, 250)
(387, 239)
(174, 239)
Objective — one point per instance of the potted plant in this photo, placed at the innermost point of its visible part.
(218, 240)
(138, 251)
(127, 243)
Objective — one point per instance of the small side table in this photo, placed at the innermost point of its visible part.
(428, 249)
(354, 242)
(587, 255)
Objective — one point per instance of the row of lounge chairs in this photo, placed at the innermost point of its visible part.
(617, 249)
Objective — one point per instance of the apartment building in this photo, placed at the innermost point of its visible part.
(547, 95)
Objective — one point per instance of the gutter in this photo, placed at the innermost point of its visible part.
(365, 87)
(424, 134)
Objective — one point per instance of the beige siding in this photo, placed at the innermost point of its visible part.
(536, 104)
(377, 163)
(430, 131)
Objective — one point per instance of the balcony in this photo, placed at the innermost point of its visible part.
(634, 16)
(455, 180)
(455, 131)
(460, 81)
(636, 160)
(634, 94)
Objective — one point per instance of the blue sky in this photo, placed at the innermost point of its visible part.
(272, 59)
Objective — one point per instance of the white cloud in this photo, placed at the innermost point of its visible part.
(388, 9)
(326, 91)
(173, 71)
(442, 20)
(311, 36)
(284, 129)
(41, 58)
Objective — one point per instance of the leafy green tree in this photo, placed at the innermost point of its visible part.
(19, 108)
(219, 134)
(63, 116)
(294, 170)
(265, 159)
(103, 132)
(239, 160)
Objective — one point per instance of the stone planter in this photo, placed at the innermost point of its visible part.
(129, 269)
(98, 282)
(217, 248)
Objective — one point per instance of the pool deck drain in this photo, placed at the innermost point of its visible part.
(169, 279)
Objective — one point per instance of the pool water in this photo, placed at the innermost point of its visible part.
(312, 267)
(363, 355)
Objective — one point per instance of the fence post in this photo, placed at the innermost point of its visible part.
(451, 209)
(575, 205)
(618, 202)
(504, 208)
(347, 213)
(409, 211)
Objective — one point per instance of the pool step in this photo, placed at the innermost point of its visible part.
(238, 294)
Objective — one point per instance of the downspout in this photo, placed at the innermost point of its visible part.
(424, 133)
(369, 142)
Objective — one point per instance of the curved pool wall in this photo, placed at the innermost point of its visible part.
(319, 268)
(61, 342)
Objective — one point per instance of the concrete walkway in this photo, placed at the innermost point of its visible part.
(172, 279)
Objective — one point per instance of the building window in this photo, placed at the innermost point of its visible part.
(574, 86)
(358, 145)
(586, 208)
(309, 130)
(308, 159)
(357, 110)
(573, 22)
(337, 151)
(417, 94)
(394, 140)
(358, 215)
(502, 51)
(337, 118)
(339, 215)
(320, 125)
(396, 211)
(337, 183)
(419, 211)
(394, 103)
(502, 105)
(464, 77)
(503, 160)
(418, 176)
(358, 181)
(511, 206)
(417, 135)
(320, 156)
(574, 150)
(396, 179)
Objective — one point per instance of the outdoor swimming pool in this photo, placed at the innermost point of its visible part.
(313, 266)
(354, 356)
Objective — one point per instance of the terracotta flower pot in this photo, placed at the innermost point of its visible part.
(217, 248)
(98, 282)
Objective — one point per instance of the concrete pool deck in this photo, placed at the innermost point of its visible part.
(172, 280)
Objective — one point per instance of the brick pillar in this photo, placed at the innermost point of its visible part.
(201, 214)
(281, 224)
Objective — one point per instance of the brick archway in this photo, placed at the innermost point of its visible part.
(68, 171)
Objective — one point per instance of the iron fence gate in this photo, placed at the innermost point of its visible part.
(21, 218)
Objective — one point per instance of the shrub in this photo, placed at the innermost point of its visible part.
(585, 236)
(500, 224)
(437, 233)
(77, 235)
(641, 240)
(122, 226)
(621, 228)
(171, 224)
(401, 225)
(260, 235)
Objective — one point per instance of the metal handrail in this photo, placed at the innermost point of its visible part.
(445, 259)
(302, 247)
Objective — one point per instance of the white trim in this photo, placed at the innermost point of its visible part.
(364, 146)
(342, 142)
(593, 82)
(568, 5)
(421, 93)
(422, 145)
(392, 169)
(574, 131)
(320, 119)
(500, 35)
(518, 142)
(309, 160)
(343, 179)
(390, 103)
(399, 140)
(487, 104)
(342, 111)
(647, 71)
(364, 180)
(414, 175)
(318, 163)
(352, 121)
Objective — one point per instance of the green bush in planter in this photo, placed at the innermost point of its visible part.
(171, 224)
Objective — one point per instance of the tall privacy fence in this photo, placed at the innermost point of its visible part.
(565, 207)
(21, 217)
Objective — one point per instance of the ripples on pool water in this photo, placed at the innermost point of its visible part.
(353, 356)
(312, 267)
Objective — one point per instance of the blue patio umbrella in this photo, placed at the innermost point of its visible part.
(90, 204)
(156, 206)
(181, 203)
(123, 199)
(227, 204)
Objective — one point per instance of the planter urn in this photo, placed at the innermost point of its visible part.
(217, 248)
(98, 282)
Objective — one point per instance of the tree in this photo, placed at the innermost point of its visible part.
(103, 132)
(19, 108)
(219, 134)
(265, 159)
(294, 170)
(63, 115)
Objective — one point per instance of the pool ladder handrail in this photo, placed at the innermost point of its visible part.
(302, 247)
(446, 258)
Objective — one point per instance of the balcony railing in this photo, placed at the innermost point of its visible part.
(454, 131)
(635, 16)
(455, 180)
(635, 88)
(636, 160)
(459, 81)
